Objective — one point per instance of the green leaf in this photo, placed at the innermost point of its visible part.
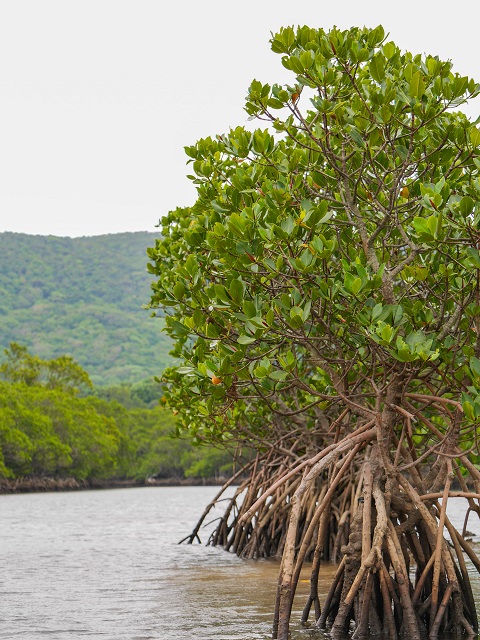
(283, 41)
(288, 225)
(474, 135)
(243, 339)
(237, 225)
(433, 224)
(179, 328)
(221, 294)
(357, 137)
(466, 205)
(249, 309)
(179, 291)
(307, 59)
(274, 103)
(475, 365)
(352, 283)
(185, 370)
(260, 372)
(219, 229)
(403, 352)
(218, 207)
(376, 36)
(417, 85)
(385, 331)
(237, 290)
(422, 228)
(356, 285)
(397, 314)
(389, 49)
(474, 256)
(401, 151)
(258, 322)
(468, 404)
(376, 311)
(212, 331)
(278, 375)
(191, 265)
(326, 217)
(293, 63)
(296, 311)
(377, 68)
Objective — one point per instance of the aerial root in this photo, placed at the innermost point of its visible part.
(397, 577)
(437, 600)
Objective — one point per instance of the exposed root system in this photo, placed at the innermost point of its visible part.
(374, 508)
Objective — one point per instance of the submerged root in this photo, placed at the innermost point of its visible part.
(434, 598)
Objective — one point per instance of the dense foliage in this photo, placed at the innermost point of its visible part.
(342, 251)
(83, 297)
(323, 294)
(46, 429)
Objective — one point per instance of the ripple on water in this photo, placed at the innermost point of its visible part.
(105, 565)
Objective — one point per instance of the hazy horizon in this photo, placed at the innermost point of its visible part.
(99, 98)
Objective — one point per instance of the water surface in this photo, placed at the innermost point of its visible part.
(106, 564)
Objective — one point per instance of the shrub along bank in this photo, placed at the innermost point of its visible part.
(53, 424)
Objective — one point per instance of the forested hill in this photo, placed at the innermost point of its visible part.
(82, 297)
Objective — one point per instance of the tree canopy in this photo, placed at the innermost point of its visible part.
(342, 251)
(82, 297)
(48, 430)
(325, 285)
(62, 373)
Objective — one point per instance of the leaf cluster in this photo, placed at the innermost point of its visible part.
(331, 252)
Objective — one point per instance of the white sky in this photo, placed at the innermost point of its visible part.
(99, 97)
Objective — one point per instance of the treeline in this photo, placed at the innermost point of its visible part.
(54, 423)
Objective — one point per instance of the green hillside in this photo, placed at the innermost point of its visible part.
(82, 297)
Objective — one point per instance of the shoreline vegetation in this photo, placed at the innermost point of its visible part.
(48, 485)
(59, 432)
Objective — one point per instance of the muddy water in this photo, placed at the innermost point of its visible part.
(106, 565)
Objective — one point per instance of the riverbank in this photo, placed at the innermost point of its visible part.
(43, 484)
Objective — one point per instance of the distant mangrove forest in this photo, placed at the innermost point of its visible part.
(54, 423)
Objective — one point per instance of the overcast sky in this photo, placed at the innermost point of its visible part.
(99, 97)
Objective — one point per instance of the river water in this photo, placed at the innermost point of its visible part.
(106, 565)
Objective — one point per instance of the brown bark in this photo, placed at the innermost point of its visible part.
(377, 518)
